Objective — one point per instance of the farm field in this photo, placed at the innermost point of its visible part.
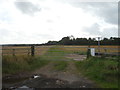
(23, 50)
(102, 49)
(40, 50)
(60, 67)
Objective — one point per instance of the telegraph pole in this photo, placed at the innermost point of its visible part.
(98, 44)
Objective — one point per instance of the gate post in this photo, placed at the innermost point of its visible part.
(88, 53)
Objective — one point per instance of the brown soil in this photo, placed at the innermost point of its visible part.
(50, 78)
(76, 57)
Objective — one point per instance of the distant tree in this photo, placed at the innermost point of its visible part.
(65, 41)
(70, 40)
(52, 43)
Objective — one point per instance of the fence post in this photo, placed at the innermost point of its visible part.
(13, 52)
(32, 50)
(88, 53)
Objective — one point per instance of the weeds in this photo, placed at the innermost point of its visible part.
(103, 71)
(16, 64)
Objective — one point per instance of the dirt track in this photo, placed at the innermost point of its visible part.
(50, 78)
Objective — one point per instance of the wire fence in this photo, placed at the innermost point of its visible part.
(23, 50)
(37, 50)
(98, 50)
(16, 51)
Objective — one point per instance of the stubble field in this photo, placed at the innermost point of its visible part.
(40, 50)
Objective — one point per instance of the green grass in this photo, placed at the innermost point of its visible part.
(22, 63)
(11, 65)
(60, 65)
(103, 71)
(55, 54)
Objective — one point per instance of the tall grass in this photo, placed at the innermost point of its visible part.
(22, 63)
(103, 71)
(28, 63)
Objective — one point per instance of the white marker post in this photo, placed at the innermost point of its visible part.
(92, 51)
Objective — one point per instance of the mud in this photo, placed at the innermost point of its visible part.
(45, 82)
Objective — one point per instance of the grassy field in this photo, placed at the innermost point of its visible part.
(20, 63)
(103, 71)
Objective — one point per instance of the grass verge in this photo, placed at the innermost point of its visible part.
(103, 71)
(11, 65)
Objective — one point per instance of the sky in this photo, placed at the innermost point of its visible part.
(39, 21)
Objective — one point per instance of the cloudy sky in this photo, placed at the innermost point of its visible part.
(38, 21)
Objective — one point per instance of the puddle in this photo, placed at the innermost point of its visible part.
(77, 59)
(24, 87)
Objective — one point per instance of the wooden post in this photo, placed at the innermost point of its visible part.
(88, 53)
(32, 50)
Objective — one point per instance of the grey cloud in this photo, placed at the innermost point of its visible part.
(49, 21)
(4, 16)
(107, 32)
(45, 36)
(106, 10)
(4, 32)
(14, 37)
(27, 7)
(93, 30)
(119, 18)
(110, 32)
(6, 35)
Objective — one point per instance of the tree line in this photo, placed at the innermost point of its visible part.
(85, 41)
(76, 41)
